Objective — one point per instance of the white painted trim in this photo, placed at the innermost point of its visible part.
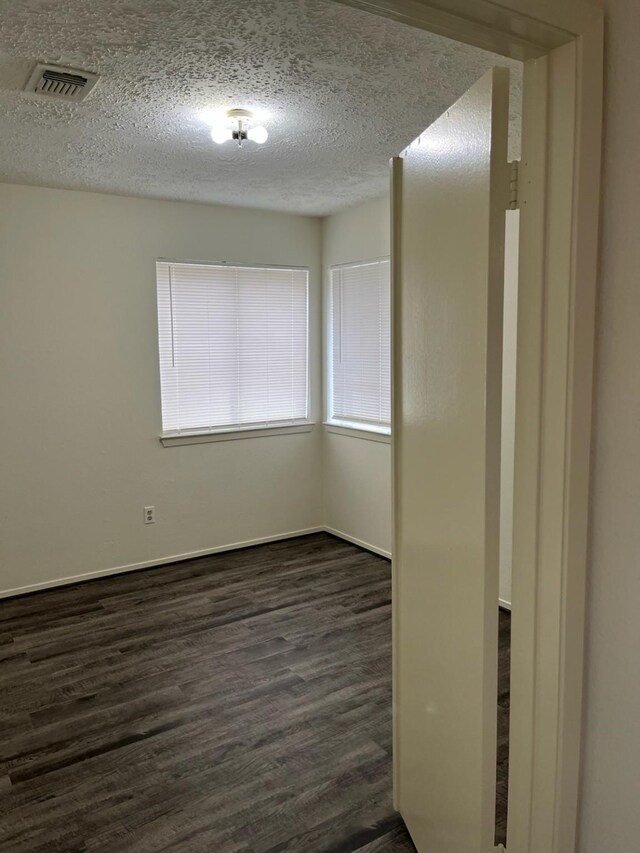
(558, 254)
(521, 29)
(395, 186)
(504, 603)
(355, 541)
(359, 263)
(160, 561)
(232, 434)
(189, 555)
(354, 432)
(232, 264)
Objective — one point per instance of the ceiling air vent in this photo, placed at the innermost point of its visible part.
(66, 83)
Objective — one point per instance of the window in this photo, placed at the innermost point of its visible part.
(359, 382)
(233, 347)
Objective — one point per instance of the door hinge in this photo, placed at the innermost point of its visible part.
(513, 201)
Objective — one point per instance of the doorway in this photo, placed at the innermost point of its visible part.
(563, 79)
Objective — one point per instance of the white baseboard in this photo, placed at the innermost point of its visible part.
(160, 561)
(366, 545)
(189, 555)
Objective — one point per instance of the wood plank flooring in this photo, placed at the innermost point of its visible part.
(504, 701)
(238, 703)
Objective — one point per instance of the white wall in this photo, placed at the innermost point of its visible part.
(357, 471)
(80, 399)
(610, 817)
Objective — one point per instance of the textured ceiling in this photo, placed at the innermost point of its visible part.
(341, 92)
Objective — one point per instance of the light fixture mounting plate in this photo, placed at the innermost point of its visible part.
(239, 114)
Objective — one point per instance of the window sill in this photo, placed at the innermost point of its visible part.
(232, 434)
(356, 432)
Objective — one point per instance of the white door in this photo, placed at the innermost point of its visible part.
(449, 198)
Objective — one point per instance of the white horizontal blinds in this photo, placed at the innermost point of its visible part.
(233, 346)
(360, 380)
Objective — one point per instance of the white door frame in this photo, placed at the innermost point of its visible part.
(559, 207)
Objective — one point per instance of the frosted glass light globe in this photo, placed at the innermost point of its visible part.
(221, 134)
(257, 134)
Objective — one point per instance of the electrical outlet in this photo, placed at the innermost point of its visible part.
(149, 515)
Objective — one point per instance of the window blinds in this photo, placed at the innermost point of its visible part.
(360, 345)
(233, 346)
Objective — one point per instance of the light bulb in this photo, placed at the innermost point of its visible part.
(221, 134)
(257, 134)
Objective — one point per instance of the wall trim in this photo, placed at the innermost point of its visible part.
(188, 555)
(160, 561)
(205, 552)
(359, 542)
(354, 432)
(232, 434)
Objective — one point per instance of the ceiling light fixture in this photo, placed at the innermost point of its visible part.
(240, 126)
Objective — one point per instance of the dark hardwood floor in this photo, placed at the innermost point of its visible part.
(504, 697)
(239, 703)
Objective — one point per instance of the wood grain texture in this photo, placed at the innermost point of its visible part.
(504, 700)
(237, 703)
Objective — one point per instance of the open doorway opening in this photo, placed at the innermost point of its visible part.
(335, 478)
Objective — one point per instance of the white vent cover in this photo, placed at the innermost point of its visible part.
(66, 83)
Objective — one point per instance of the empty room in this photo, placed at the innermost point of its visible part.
(267, 389)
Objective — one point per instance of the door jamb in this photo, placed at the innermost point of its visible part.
(560, 185)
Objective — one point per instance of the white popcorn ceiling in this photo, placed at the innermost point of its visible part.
(342, 91)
